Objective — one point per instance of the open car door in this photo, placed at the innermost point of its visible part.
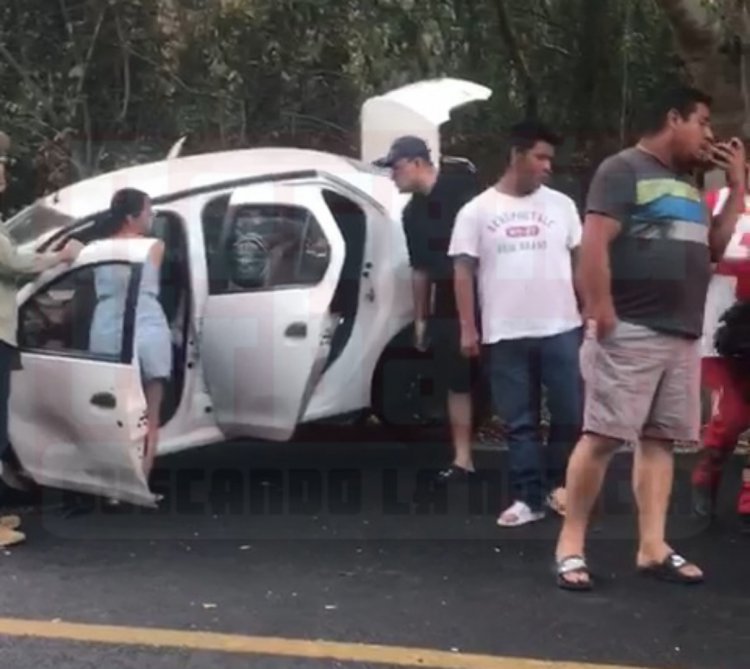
(77, 410)
(266, 330)
(415, 109)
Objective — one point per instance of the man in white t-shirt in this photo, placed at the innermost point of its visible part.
(519, 238)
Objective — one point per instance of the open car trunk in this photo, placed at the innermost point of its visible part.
(415, 109)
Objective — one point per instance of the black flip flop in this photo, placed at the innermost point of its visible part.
(573, 564)
(669, 571)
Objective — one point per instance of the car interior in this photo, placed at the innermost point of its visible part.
(352, 223)
(175, 298)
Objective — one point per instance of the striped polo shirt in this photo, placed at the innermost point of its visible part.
(660, 262)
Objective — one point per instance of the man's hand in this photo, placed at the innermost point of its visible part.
(602, 318)
(469, 342)
(420, 335)
(70, 251)
(731, 158)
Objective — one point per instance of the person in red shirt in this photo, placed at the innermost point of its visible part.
(727, 379)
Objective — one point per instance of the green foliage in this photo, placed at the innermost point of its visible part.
(90, 85)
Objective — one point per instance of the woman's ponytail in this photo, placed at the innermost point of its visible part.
(105, 225)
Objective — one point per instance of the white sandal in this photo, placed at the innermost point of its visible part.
(518, 514)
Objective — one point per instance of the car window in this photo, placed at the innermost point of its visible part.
(34, 221)
(212, 222)
(273, 246)
(212, 219)
(81, 313)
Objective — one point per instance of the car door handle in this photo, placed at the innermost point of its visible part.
(296, 330)
(104, 400)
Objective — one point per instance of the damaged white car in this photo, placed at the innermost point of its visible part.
(316, 326)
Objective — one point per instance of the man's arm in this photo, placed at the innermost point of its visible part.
(609, 203)
(593, 276)
(15, 265)
(422, 293)
(724, 223)
(465, 267)
(421, 283)
(464, 249)
(732, 160)
(575, 232)
(575, 259)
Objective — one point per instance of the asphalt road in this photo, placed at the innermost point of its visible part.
(324, 541)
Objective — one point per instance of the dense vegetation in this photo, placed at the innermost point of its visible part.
(88, 85)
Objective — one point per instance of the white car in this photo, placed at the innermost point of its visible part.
(317, 326)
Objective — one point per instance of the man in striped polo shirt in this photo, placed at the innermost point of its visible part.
(645, 265)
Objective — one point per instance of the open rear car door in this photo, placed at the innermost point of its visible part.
(266, 329)
(77, 409)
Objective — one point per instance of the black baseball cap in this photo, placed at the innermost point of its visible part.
(409, 147)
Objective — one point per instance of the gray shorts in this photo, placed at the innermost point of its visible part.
(641, 384)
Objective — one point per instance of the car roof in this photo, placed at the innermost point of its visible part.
(182, 174)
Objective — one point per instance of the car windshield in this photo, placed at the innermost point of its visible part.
(35, 221)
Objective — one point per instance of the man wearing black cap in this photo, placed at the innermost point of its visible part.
(428, 220)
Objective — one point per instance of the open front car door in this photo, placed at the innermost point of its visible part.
(77, 409)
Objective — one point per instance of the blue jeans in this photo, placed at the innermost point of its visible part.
(518, 370)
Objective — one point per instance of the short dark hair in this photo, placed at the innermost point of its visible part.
(523, 136)
(682, 99)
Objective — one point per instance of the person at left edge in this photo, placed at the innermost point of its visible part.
(13, 266)
(428, 218)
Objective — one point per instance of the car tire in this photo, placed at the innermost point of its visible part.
(405, 392)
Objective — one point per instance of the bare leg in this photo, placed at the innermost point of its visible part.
(154, 391)
(585, 474)
(460, 414)
(653, 473)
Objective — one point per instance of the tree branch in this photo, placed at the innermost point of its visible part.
(506, 30)
(125, 69)
(556, 49)
(5, 53)
(66, 20)
(29, 81)
(89, 138)
(89, 54)
(544, 14)
(315, 119)
(159, 68)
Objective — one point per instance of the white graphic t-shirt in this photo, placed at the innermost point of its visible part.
(523, 245)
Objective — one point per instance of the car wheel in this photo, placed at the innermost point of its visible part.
(405, 391)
